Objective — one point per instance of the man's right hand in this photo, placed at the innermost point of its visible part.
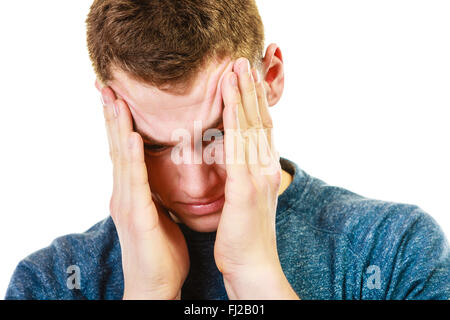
(155, 257)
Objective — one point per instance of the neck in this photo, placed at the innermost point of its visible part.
(286, 180)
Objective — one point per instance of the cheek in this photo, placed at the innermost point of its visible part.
(161, 174)
(214, 155)
(213, 152)
(218, 153)
(221, 172)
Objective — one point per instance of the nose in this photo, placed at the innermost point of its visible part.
(198, 181)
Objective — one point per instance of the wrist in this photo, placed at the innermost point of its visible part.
(261, 283)
(155, 295)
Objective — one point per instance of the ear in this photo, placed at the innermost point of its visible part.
(273, 74)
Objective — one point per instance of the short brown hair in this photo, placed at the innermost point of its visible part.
(165, 42)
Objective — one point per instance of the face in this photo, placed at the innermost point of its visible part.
(193, 192)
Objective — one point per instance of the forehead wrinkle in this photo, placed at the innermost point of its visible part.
(208, 84)
(212, 74)
(133, 109)
(202, 93)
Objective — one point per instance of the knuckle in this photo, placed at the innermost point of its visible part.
(108, 118)
(256, 124)
(250, 90)
(268, 123)
(259, 90)
(275, 179)
(137, 137)
(233, 99)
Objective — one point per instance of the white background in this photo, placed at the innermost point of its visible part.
(366, 107)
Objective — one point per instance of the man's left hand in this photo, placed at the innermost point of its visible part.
(245, 249)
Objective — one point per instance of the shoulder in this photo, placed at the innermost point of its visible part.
(336, 210)
(339, 211)
(44, 274)
(402, 240)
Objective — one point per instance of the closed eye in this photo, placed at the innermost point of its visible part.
(219, 134)
(155, 148)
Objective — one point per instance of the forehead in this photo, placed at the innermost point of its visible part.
(157, 113)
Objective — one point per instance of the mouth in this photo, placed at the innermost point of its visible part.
(205, 207)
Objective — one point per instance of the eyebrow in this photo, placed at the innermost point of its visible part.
(147, 138)
(150, 140)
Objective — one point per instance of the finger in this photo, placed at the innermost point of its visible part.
(124, 129)
(140, 196)
(265, 118)
(232, 99)
(263, 136)
(124, 126)
(248, 92)
(108, 98)
(263, 107)
(234, 142)
(253, 145)
(108, 132)
(232, 96)
(265, 154)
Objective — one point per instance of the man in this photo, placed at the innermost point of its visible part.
(212, 216)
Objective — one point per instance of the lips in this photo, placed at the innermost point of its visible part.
(199, 208)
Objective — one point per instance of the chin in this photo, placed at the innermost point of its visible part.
(207, 223)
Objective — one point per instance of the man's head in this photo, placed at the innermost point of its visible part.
(166, 59)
